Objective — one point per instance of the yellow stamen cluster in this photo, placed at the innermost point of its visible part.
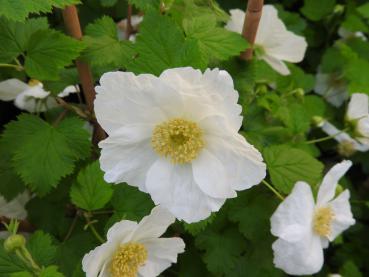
(322, 221)
(127, 259)
(179, 139)
(346, 148)
(33, 82)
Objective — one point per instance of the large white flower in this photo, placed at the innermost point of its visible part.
(176, 137)
(331, 87)
(273, 43)
(135, 249)
(304, 227)
(357, 119)
(30, 96)
(14, 208)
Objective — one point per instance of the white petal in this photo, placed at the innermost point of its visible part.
(127, 155)
(9, 89)
(15, 208)
(121, 232)
(303, 257)
(343, 217)
(335, 94)
(358, 106)
(328, 186)
(173, 187)
(363, 129)
(68, 90)
(235, 22)
(93, 262)
(154, 225)
(35, 99)
(293, 217)
(276, 64)
(153, 267)
(243, 162)
(210, 174)
(164, 248)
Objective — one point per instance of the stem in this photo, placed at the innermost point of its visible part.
(15, 66)
(273, 190)
(60, 118)
(324, 138)
(71, 228)
(102, 212)
(129, 26)
(28, 256)
(250, 25)
(73, 26)
(96, 234)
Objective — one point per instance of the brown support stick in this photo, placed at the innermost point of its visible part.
(73, 26)
(129, 26)
(250, 25)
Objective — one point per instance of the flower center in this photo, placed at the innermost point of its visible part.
(33, 82)
(346, 148)
(127, 259)
(179, 139)
(322, 221)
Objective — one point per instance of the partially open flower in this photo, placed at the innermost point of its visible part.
(176, 137)
(273, 43)
(304, 226)
(31, 96)
(135, 249)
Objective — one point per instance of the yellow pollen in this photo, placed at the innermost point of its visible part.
(127, 259)
(33, 82)
(322, 221)
(179, 139)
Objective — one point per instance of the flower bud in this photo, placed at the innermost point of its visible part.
(14, 242)
(318, 121)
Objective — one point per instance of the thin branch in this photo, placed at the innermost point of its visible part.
(269, 186)
(73, 26)
(129, 26)
(250, 25)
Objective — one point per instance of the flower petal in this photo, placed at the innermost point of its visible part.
(293, 217)
(276, 64)
(68, 90)
(343, 217)
(9, 89)
(154, 225)
(358, 106)
(121, 232)
(335, 94)
(210, 174)
(173, 187)
(15, 208)
(164, 248)
(94, 261)
(303, 257)
(328, 186)
(235, 22)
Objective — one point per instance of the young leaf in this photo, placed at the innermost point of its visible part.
(91, 192)
(288, 165)
(43, 154)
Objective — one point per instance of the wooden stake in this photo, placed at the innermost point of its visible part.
(129, 26)
(250, 25)
(71, 21)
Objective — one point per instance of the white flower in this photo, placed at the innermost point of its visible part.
(135, 249)
(273, 43)
(304, 227)
(14, 208)
(332, 88)
(122, 27)
(176, 137)
(346, 34)
(30, 97)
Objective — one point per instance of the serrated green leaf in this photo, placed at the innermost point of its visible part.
(108, 3)
(41, 248)
(19, 10)
(91, 192)
(196, 228)
(50, 271)
(43, 154)
(163, 47)
(145, 5)
(364, 10)
(221, 250)
(104, 26)
(215, 42)
(288, 165)
(316, 10)
(130, 203)
(48, 52)
(10, 263)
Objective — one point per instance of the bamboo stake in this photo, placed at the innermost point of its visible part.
(250, 25)
(71, 21)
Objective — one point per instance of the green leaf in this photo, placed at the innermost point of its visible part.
(350, 269)
(163, 47)
(41, 248)
(19, 10)
(196, 228)
(43, 154)
(364, 10)
(316, 10)
(108, 3)
(145, 5)
(14, 36)
(287, 165)
(221, 250)
(48, 52)
(51, 271)
(91, 192)
(10, 263)
(215, 42)
(130, 203)
(104, 26)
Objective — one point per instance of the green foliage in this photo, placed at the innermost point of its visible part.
(146, 5)
(316, 10)
(51, 271)
(91, 192)
(287, 165)
(196, 228)
(41, 153)
(41, 248)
